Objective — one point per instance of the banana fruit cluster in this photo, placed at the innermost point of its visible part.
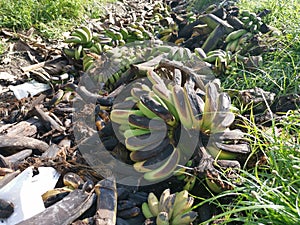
(118, 69)
(219, 58)
(82, 44)
(236, 40)
(251, 21)
(149, 120)
(170, 209)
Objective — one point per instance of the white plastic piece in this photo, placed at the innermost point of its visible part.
(25, 192)
(29, 88)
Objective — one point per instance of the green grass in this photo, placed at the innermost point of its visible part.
(49, 17)
(270, 192)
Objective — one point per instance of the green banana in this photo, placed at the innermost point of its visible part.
(185, 218)
(244, 38)
(154, 77)
(149, 151)
(181, 197)
(104, 41)
(138, 92)
(212, 185)
(135, 143)
(121, 116)
(232, 45)
(82, 34)
(146, 210)
(210, 59)
(88, 31)
(210, 106)
(166, 169)
(135, 132)
(96, 48)
(165, 31)
(216, 52)
(69, 52)
(73, 39)
(155, 109)
(218, 153)
(153, 204)
(111, 33)
(78, 52)
(162, 219)
(235, 35)
(182, 203)
(190, 182)
(196, 103)
(223, 118)
(154, 162)
(87, 62)
(181, 103)
(200, 53)
(124, 32)
(165, 95)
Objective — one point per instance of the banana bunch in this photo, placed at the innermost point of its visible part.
(146, 129)
(180, 54)
(236, 40)
(82, 36)
(149, 118)
(82, 44)
(80, 39)
(251, 21)
(219, 58)
(88, 61)
(119, 36)
(170, 209)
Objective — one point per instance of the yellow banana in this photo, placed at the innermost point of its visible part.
(162, 219)
(185, 218)
(121, 116)
(153, 204)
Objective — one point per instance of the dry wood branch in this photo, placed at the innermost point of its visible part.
(8, 142)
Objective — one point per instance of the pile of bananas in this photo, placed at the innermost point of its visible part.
(158, 114)
(117, 69)
(170, 209)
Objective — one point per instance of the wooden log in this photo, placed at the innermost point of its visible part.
(15, 143)
(214, 37)
(26, 128)
(214, 21)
